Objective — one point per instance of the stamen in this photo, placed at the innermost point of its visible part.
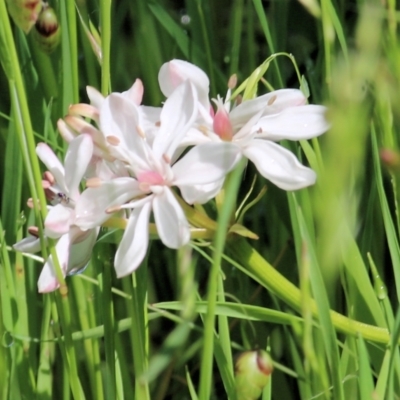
(158, 123)
(48, 176)
(144, 187)
(94, 182)
(271, 100)
(113, 209)
(113, 140)
(141, 132)
(34, 231)
(166, 158)
(45, 184)
(203, 129)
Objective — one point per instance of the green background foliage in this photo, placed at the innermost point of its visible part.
(320, 287)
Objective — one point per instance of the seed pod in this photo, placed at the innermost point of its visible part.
(24, 12)
(47, 31)
(252, 373)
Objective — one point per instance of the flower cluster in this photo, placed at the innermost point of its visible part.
(133, 156)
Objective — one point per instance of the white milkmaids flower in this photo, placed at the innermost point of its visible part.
(153, 172)
(74, 246)
(254, 125)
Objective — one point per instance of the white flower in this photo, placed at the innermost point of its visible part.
(153, 173)
(254, 125)
(74, 246)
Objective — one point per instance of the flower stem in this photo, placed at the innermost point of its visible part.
(259, 269)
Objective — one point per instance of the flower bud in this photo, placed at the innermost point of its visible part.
(47, 32)
(252, 373)
(24, 12)
(222, 125)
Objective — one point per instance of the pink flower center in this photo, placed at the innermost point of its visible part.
(222, 125)
(149, 178)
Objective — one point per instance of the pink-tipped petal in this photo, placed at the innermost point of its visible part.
(174, 72)
(135, 93)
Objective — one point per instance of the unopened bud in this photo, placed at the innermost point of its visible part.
(24, 12)
(390, 158)
(232, 82)
(47, 32)
(252, 373)
(222, 125)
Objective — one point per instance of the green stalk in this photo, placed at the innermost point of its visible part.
(139, 329)
(105, 25)
(259, 269)
(108, 318)
(207, 357)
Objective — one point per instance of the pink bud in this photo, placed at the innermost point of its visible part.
(222, 125)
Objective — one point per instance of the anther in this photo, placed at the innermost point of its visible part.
(166, 158)
(34, 231)
(113, 140)
(113, 209)
(141, 132)
(271, 100)
(93, 182)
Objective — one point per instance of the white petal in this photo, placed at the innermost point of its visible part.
(65, 131)
(135, 93)
(119, 117)
(53, 164)
(30, 244)
(77, 159)
(172, 225)
(270, 103)
(194, 136)
(206, 163)
(95, 97)
(177, 116)
(133, 246)
(58, 221)
(81, 251)
(200, 194)
(90, 209)
(279, 165)
(47, 280)
(294, 123)
(174, 72)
